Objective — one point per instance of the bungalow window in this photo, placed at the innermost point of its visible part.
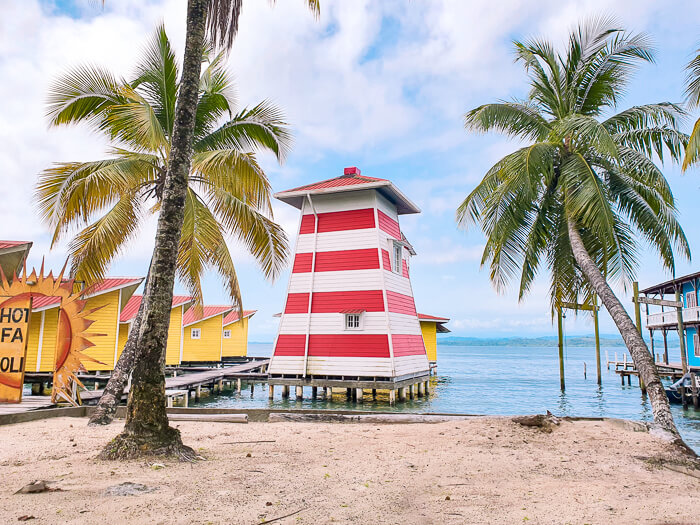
(196, 333)
(227, 334)
(691, 300)
(398, 257)
(696, 345)
(352, 321)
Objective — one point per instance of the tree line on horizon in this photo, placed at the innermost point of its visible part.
(575, 200)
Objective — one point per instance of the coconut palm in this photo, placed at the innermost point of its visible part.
(147, 430)
(577, 197)
(692, 93)
(228, 192)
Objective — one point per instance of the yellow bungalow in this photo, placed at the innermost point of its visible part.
(203, 334)
(430, 326)
(175, 331)
(235, 336)
(109, 298)
(12, 256)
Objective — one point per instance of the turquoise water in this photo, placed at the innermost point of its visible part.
(499, 381)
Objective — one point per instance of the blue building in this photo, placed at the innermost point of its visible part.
(667, 319)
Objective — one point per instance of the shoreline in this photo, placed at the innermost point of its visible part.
(481, 469)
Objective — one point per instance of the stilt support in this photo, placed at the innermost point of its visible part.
(300, 392)
(392, 397)
(359, 395)
(314, 392)
(285, 391)
(271, 392)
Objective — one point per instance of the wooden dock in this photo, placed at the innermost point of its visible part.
(214, 379)
(28, 403)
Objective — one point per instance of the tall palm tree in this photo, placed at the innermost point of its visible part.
(692, 97)
(228, 194)
(147, 430)
(579, 195)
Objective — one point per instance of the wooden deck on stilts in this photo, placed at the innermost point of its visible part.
(28, 403)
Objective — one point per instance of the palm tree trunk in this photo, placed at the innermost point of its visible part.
(112, 394)
(637, 347)
(147, 430)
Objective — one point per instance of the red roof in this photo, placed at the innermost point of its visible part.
(351, 180)
(426, 317)
(131, 308)
(12, 244)
(233, 316)
(191, 317)
(40, 302)
(112, 283)
(351, 176)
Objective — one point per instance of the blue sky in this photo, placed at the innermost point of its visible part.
(379, 85)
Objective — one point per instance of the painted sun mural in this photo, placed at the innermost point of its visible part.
(73, 338)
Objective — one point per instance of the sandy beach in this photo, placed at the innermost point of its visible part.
(481, 470)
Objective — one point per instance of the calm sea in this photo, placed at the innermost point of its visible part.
(500, 381)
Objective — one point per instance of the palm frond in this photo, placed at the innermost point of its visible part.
(512, 118)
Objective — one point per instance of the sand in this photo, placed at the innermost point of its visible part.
(482, 470)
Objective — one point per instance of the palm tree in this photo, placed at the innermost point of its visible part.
(228, 194)
(692, 97)
(585, 187)
(146, 430)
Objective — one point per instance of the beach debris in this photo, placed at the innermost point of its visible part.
(26, 517)
(545, 422)
(282, 517)
(128, 489)
(37, 486)
(157, 466)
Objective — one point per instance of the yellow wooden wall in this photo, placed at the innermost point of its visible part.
(172, 352)
(208, 348)
(123, 336)
(237, 345)
(48, 343)
(105, 322)
(429, 331)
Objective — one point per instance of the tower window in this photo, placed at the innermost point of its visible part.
(398, 257)
(352, 321)
(196, 333)
(227, 334)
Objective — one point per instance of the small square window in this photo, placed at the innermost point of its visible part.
(398, 257)
(196, 333)
(227, 334)
(352, 321)
(691, 300)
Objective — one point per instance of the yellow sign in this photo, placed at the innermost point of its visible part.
(14, 322)
(72, 339)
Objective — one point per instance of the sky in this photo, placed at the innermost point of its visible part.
(382, 85)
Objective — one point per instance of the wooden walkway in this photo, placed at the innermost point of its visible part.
(28, 403)
(211, 377)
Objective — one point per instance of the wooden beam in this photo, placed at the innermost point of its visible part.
(574, 306)
(659, 302)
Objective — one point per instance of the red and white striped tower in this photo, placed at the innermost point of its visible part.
(349, 318)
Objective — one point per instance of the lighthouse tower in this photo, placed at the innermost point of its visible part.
(349, 319)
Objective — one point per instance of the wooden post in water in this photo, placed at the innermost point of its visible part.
(597, 339)
(238, 384)
(681, 334)
(637, 309)
(359, 395)
(285, 391)
(392, 397)
(271, 391)
(694, 389)
(314, 392)
(561, 348)
(584, 370)
(300, 392)
(665, 346)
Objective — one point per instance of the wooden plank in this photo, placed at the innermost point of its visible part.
(280, 417)
(659, 302)
(210, 418)
(574, 306)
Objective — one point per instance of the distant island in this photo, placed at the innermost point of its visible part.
(546, 341)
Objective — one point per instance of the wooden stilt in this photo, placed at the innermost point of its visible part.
(665, 346)
(238, 384)
(359, 395)
(560, 327)
(187, 399)
(694, 390)
(252, 389)
(36, 389)
(314, 392)
(411, 391)
(420, 389)
(426, 387)
(285, 391)
(300, 392)
(198, 393)
(402, 394)
(271, 391)
(597, 339)
(327, 392)
(170, 402)
(348, 393)
(221, 385)
(374, 393)
(392, 397)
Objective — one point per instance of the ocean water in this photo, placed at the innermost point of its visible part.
(498, 381)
